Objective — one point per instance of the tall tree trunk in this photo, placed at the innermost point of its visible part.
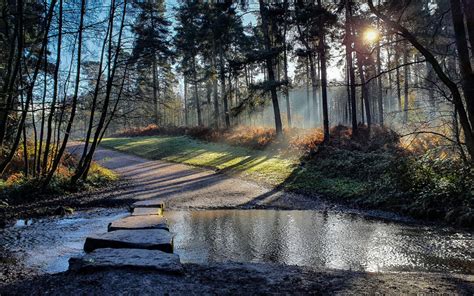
(43, 114)
(186, 121)
(324, 81)
(269, 66)
(11, 76)
(49, 128)
(350, 63)
(469, 13)
(364, 92)
(215, 93)
(285, 66)
(308, 111)
(464, 59)
(380, 98)
(156, 112)
(196, 93)
(61, 150)
(223, 89)
(405, 84)
(397, 78)
(287, 93)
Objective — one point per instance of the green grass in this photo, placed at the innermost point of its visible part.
(269, 167)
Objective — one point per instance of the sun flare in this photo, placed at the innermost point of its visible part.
(371, 35)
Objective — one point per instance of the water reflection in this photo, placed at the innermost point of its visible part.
(317, 239)
(291, 237)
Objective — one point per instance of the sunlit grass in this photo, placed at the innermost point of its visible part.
(250, 163)
(267, 167)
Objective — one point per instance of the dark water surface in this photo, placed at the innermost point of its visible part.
(309, 238)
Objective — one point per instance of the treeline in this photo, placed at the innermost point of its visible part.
(84, 69)
(404, 63)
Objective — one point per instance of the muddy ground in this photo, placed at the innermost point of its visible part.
(240, 278)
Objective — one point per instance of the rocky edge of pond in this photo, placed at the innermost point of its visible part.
(238, 278)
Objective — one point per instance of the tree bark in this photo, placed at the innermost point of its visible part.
(196, 93)
(49, 128)
(350, 63)
(364, 92)
(324, 81)
(405, 84)
(269, 66)
(223, 89)
(464, 60)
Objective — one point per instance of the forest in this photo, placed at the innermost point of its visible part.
(362, 106)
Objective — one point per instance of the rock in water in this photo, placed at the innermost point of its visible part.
(127, 258)
(147, 211)
(139, 222)
(151, 203)
(150, 239)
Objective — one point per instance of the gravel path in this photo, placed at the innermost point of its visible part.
(184, 187)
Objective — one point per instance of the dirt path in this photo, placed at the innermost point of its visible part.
(243, 279)
(184, 186)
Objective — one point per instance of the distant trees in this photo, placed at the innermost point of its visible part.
(152, 54)
(209, 38)
(463, 106)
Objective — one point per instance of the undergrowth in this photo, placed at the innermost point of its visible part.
(16, 187)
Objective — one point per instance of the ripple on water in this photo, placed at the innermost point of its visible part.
(316, 239)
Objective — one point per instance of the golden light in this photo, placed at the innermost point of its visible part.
(371, 35)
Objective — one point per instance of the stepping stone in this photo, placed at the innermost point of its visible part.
(150, 203)
(139, 222)
(127, 258)
(150, 239)
(147, 211)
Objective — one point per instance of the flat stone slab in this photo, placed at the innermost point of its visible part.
(127, 258)
(139, 222)
(150, 203)
(146, 211)
(150, 239)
